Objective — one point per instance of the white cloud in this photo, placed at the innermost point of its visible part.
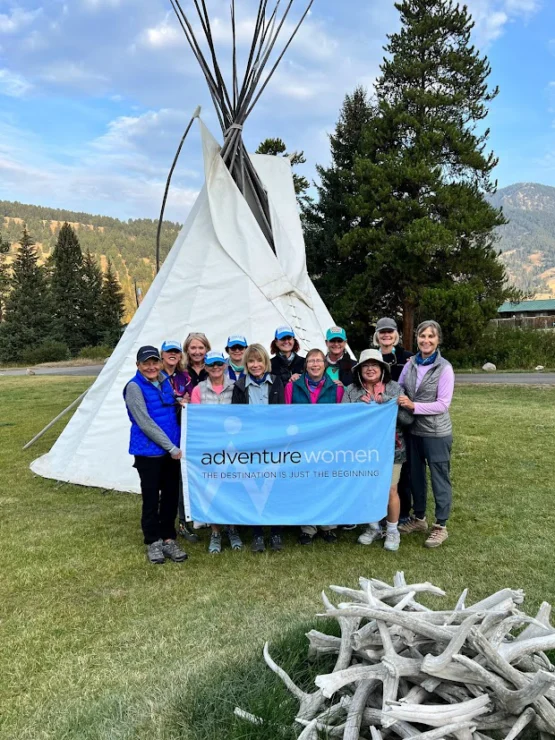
(12, 84)
(492, 16)
(11, 23)
(73, 74)
(163, 35)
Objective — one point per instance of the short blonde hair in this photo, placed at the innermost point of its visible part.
(199, 336)
(257, 350)
(376, 341)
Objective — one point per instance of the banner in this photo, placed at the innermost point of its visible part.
(291, 465)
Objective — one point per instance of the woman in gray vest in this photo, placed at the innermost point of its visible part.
(428, 381)
(217, 389)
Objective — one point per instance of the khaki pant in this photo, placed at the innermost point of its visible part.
(312, 529)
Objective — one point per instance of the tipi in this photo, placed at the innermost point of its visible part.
(225, 274)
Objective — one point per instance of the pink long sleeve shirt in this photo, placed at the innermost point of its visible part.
(445, 388)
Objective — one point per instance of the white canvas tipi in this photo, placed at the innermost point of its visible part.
(221, 277)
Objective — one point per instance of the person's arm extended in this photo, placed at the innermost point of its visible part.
(135, 402)
(445, 389)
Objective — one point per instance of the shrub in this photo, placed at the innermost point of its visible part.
(96, 353)
(509, 349)
(49, 351)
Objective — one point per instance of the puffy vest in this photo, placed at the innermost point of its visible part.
(434, 425)
(301, 394)
(162, 409)
(209, 395)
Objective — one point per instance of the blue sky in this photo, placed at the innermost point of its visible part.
(95, 94)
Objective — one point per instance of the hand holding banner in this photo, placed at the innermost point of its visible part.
(289, 465)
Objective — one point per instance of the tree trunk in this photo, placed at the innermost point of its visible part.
(408, 324)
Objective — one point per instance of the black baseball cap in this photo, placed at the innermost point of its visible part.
(148, 353)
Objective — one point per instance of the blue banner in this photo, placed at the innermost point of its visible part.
(291, 465)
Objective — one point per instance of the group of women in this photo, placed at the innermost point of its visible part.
(421, 384)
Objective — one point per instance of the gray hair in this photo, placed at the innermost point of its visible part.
(376, 341)
(430, 325)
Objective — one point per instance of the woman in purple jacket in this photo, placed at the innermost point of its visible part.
(428, 381)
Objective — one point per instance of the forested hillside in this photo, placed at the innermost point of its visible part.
(130, 245)
(528, 240)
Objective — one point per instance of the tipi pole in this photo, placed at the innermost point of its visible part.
(51, 424)
(196, 114)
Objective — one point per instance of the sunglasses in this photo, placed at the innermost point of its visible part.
(215, 364)
(386, 331)
(336, 340)
(236, 348)
(286, 339)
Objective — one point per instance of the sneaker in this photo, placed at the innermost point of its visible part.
(186, 533)
(215, 544)
(404, 519)
(258, 544)
(370, 534)
(392, 540)
(437, 536)
(155, 553)
(172, 551)
(328, 536)
(414, 525)
(276, 542)
(305, 539)
(234, 539)
(349, 526)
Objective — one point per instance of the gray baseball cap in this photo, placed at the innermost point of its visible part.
(386, 324)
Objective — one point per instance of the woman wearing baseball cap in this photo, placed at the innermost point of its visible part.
(154, 442)
(373, 384)
(339, 364)
(287, 364)
(235, 348)
(386, 338)
(217, 389)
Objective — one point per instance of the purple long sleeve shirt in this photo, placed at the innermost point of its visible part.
(445, 389)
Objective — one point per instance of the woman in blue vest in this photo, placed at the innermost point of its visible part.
(258, 388)
(155, 439)
(314, 386)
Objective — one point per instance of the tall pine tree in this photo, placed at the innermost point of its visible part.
(67, 290)
(27, 316)
(92, 301)
(423, 221)
(329, 219)
(112, 307)
(4, 275)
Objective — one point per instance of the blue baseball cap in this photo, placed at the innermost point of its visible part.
(214, 356)
(235, 339)
(171, 344)
(284, 331)
(336, 332)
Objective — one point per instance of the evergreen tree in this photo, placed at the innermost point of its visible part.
(4, 275)
(92, 301)
(277, 147)
(328, 220)
(423, 172)
(67, 287)
(112, 307)
(27, 316)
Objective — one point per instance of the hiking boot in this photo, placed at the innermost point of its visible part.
(234, 539)
(276, 542)
(437, 536)
(186, 533)
(305, 539)
(258, 544)
(328, 536)
(155, 553)
(414, 525)
(370, 534)
(172, 551)
(215, 544)
(392, 540)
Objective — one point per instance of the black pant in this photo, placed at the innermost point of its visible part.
(160, 488)
(436, 452)
(259, 532)
(405, 491)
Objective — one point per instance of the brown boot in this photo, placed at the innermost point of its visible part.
(437, 537)
(414, 525)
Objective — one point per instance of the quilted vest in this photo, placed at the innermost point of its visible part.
(301, 394)
(161, 407)
(434, 425)
(209, 395)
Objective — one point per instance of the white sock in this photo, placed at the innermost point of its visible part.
(374, 525)
(391, 526)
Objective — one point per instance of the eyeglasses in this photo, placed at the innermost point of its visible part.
(215, 364)
(236, 348)
(286, 339)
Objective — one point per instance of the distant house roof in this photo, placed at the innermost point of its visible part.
(547, 305)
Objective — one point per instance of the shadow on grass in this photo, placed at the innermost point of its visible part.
(205, 711)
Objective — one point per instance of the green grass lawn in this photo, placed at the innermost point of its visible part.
(97, 643)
